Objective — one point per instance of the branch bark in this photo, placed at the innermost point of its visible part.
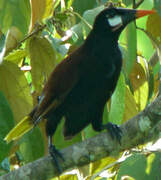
(140, 129)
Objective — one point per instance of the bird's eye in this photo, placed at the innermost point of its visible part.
(114, 21)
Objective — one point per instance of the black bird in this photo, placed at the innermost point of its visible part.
(82, 83)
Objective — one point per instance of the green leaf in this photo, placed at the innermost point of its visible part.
(16, 89)
(140, 85)
(140, 166)
(130, 105)
(82, 29)
(16, 56)
(6, 123)
(32, 145)
(97, 166)
(72, 176)
(153, 166)
(131, 44)
(43, 60)
(81, 6)
(144, 44)
(15, 13)
(157, 5)
(59, 138)
(89, 16)
(69, 3)
(88, 132)
(118, 102)
(40, 9)
(134, 166)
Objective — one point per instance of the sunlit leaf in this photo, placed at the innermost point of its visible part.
(140, 85)
(144, 46)
(69, 3)
(16, 89)
(153, 27)
(130, 105)
(137, 76)
(14, 13)
(43, 59)
(69, 177)
(40, 9)
(118, 102)
(16, 56)
(13, 37)
(100, 164)
(152, 169)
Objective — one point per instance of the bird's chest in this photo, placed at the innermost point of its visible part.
(96, 84)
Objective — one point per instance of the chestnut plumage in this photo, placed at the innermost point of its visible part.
(82, 83)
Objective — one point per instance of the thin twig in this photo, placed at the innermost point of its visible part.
(35, 31)
(136, 5)
(83, 20)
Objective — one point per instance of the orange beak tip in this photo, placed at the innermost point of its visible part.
(141, 13)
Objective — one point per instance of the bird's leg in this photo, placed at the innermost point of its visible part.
(113, 129)
(55, 154)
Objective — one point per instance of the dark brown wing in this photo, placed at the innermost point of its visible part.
(59, 84)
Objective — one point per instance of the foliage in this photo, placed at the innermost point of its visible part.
(35, 36)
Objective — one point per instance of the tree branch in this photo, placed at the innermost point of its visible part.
(140, 129)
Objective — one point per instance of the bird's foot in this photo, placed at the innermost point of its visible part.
(55, 154)
(114, 131)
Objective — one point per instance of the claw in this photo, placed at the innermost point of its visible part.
(55, 154)
(114, 131)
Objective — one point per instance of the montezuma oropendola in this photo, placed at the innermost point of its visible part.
(83, 82)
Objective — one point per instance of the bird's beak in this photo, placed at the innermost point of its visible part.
(132, 14)
(141, 13)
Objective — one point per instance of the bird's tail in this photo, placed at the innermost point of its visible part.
(20, 129)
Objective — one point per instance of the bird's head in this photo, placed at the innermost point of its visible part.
(114, 20)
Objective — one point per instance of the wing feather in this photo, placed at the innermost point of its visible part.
(60, 83)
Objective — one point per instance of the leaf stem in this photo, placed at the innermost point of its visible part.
(83, 20)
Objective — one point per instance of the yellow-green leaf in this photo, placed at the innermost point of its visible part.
(13, 37)
(16, 56)
(140, 85)
(154, 26)
(40, 9)
(130, 105)
(137, 76)
(16, 89)
(43, 57)
(100, 164)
